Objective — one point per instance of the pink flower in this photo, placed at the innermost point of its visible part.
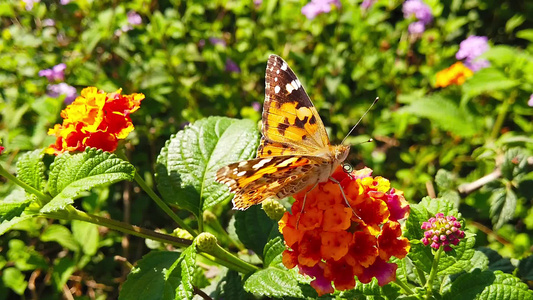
(442, 231)
(232, 66)
(2, 150)
(316, 7)
(56, 73)
(134, 18)
(416, 27)
(419, 9)
(530, 102)
(56, 90)
(367, 4)
(470, 49)
(48, 22)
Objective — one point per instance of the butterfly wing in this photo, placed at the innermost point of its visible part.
(255, 180)
(291, 124)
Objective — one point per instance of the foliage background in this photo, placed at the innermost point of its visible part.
(178, 57)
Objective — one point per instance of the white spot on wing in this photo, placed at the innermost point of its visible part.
(298, 83)
(277, 71)
(241, 173)
(276, 89)
(261, 163)
(289, 88)
(284, 66)
(242, 164)
(294, 85)
(276, 79)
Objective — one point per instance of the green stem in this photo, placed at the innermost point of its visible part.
(41, 198)
(501, 115)
(404, 286)
(227, 259)
(421, 276)
(70, 213)
(433, 273)
(158, 200)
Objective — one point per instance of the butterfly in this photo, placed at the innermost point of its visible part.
(295, 151)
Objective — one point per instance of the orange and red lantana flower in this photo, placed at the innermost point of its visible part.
(455, 74)
(95, 119)
(331, 244)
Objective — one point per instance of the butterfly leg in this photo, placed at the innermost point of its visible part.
(303, 204)
(344, 196)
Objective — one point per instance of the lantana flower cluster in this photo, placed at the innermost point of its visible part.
(332, 244)
(317, 7)
(95, 119)
(56, 88)
(456, 74)
(422, 13)
(442, 231)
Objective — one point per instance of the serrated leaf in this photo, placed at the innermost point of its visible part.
(60, 234)
(444, 179)
(525, 268)
(181, 273)
(13, 205)
(514, 163)
(372, 290)
(73, 174)
(502, 206)
(187, 164)
(30, 169)
(445, 114)
(148, 280)
(253, 227)
(273, 249)
(86, 234)
(488, 285)
(460, 260)
(7, 225)
(274, 282)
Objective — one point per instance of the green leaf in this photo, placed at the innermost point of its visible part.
(487, 80)
(372, 290)
(514, 163)
(7, 225)
(13, 205)
(502, 206)
(230, 287)
(496, 261)
(526, 34)
(30, 169)
(445, 114)
(14, 279)
(60, 234)
(63, 268)
(273, 249)
(514, 22)
(148, 280)
(525, 268)
(187, 164)
(253, 227)
(25, 257)
(444, 179)
(180, 274)
(277, 282)
(86, 234)
(459, 259)
(488, 285)
(73, 174)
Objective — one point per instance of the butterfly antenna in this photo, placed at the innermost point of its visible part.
(360, 119)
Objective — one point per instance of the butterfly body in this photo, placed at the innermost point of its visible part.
(295, 151)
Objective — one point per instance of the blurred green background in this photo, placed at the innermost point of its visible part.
(194, 59)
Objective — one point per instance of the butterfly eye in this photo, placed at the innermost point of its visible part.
(347, 168)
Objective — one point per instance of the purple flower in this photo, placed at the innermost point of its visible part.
(416, 27)
(470, 50)
(56, 90)
(134, 18)
(442, 231)
(367, 4)
(256, 106)
(530, 102)
(28, 4)
(316, 7)
(56, 73)
(232, 67)
(258, 3)
(64, 2)
(48, 22)
(419, 9)
(217, 41)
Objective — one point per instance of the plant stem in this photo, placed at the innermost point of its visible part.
(227, 259)
(502, 114)
(163, 205)
(404, 286)
(433, 273)
(158, 200)
(421, 276)
(42, 198)
(71, 213)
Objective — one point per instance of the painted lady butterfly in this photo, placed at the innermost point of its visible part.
(295, 151)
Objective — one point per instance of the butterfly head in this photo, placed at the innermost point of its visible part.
(340, 152)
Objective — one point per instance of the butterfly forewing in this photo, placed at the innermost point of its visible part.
(291, 123)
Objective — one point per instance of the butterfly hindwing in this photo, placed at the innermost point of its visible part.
(291, 124)
(254, 180)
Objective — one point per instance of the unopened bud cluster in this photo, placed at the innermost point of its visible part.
(442, 231)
